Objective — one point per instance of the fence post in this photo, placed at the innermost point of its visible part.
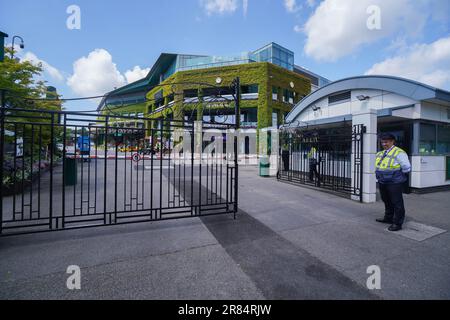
(105, 168)
(237, 100)
(52, 149)
(364, 149)
(2, 139)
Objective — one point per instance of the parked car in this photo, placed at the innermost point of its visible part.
(147, 151)
(128, 149)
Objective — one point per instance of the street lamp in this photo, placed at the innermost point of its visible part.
(22, 45)
(236, 87)
(362, 97)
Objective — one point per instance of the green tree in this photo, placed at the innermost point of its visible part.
(23, 89)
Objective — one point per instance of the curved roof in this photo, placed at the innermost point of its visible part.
(405, 87)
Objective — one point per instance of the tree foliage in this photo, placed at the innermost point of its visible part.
(22, 83)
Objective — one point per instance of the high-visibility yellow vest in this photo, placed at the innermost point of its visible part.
(311, 153)
(387, 163)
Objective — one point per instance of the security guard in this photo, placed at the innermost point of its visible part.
(313, 163)
(391, 167)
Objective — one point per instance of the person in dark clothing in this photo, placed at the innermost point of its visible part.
(392, 166)
(313, 163)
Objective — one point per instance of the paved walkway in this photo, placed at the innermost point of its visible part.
(288, 242)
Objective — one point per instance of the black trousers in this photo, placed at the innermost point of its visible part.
(313, 170)
(392, 196)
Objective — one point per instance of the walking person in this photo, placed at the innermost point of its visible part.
(392, 167)
(313, 159)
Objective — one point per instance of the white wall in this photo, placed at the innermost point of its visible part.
(428, 171)
(379, 100)
(436, 112)
(340, 168)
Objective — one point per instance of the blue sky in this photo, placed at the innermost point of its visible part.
(119, 40)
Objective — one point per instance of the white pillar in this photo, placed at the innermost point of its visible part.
(198, 139)
(263, 155)
(368, 118)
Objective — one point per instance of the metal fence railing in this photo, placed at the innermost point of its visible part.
(328, 158)
(64, 170)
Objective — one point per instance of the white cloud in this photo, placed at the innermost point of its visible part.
(338, 28)
(311, 3)
(136, 74)
(298, 28)
(95, 74)
(427, 63)
(31, 57)
(53, 72)
(219, 6)
(245, 7)
(291, 5)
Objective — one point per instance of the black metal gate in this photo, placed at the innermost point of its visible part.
(63, 170)
(325, 158)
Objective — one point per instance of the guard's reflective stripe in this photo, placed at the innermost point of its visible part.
(387, 163)
(311, 152)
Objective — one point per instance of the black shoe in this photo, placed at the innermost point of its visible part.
(395, 227)
(384, 220)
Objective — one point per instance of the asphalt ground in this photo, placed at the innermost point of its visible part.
(288, 242)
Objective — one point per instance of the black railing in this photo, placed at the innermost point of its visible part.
(64, 170)
(328, 158)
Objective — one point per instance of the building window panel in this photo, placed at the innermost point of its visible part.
(340, 97)
(443, 139)
(274, 93)
(288, 96)
(190, 93)
(427, 143)
(252, 88)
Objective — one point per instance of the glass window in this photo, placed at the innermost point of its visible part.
(285, 95)
(252, 88)
(448, 167)
(290, 59)
(427, 143)
(264, 55)
(443, 139)
(190, 93)
(283, 56)
(276, 53)
(274, 93)
(288, 96)
(252, 115)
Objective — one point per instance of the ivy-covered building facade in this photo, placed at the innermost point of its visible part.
(177, 84)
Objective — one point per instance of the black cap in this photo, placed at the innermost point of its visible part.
(387, 136)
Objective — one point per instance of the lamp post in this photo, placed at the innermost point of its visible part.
(236, 86)
(22, 45)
